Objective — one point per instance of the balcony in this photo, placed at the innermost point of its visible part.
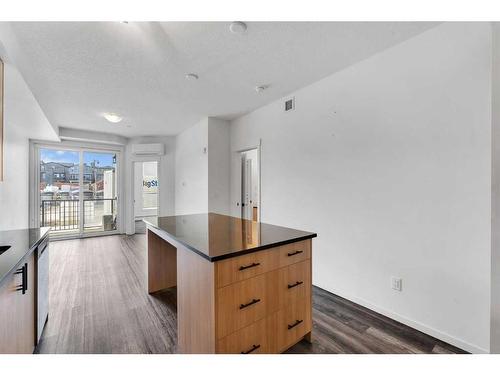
(64, 218)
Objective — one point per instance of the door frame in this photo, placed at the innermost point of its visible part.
(259, 165)
(81, 147)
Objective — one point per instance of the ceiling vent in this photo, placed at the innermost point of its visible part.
(289, 104)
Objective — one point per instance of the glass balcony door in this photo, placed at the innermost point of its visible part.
(78, 191)
(99, 191)
(59, 191)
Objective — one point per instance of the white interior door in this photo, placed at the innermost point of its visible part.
(250, 185)
(246, 187)
(138, 189)
(145, 189)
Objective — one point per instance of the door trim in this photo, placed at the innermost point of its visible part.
(237, 154)
(131, 168)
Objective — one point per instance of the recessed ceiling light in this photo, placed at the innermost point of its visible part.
(123, 21)
(191, 77)
(113, 117)
(238, 27)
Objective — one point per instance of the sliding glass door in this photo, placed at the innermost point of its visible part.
(99, 192)
(78, 191)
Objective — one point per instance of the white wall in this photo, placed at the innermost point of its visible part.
(202, 168)
(166, 177)
(218, 165)
(495, 196)
(389, 162)
(23, 119)
(191, 170)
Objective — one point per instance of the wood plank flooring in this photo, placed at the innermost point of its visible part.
(98, 304)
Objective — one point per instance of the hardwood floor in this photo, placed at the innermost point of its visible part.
(98, 304)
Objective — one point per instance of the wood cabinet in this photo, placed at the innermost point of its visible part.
(256, 302)
(17, 310)
(271, 311)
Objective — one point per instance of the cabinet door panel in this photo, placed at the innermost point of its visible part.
(17, 312)
(241, 304)
(295, 283)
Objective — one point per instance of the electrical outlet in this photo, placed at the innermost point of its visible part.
(397, 283)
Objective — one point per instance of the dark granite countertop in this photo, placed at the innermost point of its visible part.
(22, 242)
(217, 237)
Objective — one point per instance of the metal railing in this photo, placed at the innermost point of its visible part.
(64, 214)
(99, 213)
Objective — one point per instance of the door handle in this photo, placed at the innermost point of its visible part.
(297, 322)
(254, 347)
(295, 253)
(242, 268)
(290, 286)
(24, 281)
(252, 302)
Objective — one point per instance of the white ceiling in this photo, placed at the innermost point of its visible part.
(77, 71)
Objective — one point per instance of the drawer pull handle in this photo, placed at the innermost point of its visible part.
(295, 253)
(249, 266)
(24, 273)
(254, 347)
(254, 301)
(297, 322)
(290, 286)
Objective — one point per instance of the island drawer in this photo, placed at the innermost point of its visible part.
(245, 302)
(253, 339)
(295, 283)
(294, 252)
(292, 323)
(232, 270)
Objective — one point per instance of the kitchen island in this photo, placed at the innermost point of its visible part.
(242, 286)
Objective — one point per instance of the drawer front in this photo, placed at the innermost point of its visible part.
(240, 268)
(294, 253)
(295, 283)
(293, 323)
(249, 340)
(245, 302)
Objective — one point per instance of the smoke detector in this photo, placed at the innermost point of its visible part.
(191, 77)
(261, 88)
(238, 27)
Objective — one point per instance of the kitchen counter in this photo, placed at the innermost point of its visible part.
(242, 286)
(22, 242)
(216, 237)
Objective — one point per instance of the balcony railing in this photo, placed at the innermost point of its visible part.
(99, 214)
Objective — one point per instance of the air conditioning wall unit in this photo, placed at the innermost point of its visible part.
(148, 149)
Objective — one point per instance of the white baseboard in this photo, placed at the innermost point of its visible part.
(471, 348)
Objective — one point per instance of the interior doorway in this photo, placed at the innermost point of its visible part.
(146, 191)
(250, 184)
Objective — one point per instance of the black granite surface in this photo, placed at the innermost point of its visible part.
(22, 242)
(217, 237)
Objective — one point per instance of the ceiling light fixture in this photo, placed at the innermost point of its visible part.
(238, 27)
(112, 117)
(261, 88)
(124, 22)
(191, 77)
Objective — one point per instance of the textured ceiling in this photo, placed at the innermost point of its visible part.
(79, 70)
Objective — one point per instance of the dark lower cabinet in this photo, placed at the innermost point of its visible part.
(17, 309)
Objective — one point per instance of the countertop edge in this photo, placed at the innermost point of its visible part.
(236, 254)
(29, 252)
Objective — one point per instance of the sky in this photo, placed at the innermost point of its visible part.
(62, 156)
